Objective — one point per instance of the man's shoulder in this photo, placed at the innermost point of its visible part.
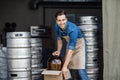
(71, 23)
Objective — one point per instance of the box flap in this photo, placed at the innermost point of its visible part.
(51, 72)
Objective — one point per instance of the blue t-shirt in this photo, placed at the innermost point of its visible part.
(72, 31)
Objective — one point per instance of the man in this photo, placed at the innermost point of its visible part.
(75, 58)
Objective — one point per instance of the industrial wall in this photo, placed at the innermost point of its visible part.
(111, 39)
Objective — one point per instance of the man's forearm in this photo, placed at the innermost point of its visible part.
(59, 45)
(68, 58)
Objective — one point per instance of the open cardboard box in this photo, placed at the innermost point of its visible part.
(52, 75)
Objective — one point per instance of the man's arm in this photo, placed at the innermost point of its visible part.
(59, 47)
(68, 57)
(65, 65)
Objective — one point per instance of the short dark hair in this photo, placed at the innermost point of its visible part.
(61, 12)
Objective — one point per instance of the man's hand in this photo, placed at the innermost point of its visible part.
(65, 72)
(56, 53)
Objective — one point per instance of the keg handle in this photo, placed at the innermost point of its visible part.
(18, 35)
(95, 60)
(13, 75)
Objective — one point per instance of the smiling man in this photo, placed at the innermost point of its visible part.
(75, 58)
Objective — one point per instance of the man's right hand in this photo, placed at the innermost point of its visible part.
(56, 53)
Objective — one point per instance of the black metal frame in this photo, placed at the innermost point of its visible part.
(69, 5)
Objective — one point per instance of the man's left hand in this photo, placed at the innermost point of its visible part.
(65, 72)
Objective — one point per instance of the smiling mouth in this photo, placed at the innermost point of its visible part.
(63, 27)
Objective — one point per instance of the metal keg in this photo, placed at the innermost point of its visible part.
(91, 66)
(93, 73)
(19, 74)
(37, 77)
(36, 62)
(36, 45)
(16, 64)
(3, 74)
(87, 20)
(92, 54)
(89, 33)
(36, 40)
(92, 60)
(18, 39)
(36, 73)
(91, 43)
(22, 78)
(19, 52)
(91, 48)
(91, 39)
(36, 51)
(93, 77)
(19, 55)
(89, 28)
(37, 55)
(3, 63)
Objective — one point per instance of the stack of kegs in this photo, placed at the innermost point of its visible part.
(88, 26)
(36, 51)
(3, 63)
(19, 55)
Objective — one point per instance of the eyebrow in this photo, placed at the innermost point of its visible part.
(62, 20)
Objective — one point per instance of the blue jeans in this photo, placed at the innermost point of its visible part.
(79, 74)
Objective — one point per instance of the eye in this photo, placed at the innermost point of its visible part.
(63, 19)
(58, 20)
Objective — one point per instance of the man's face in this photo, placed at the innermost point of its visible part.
(61, 21)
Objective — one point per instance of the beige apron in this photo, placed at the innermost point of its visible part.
(78, 57)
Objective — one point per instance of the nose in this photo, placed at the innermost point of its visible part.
(62, 22)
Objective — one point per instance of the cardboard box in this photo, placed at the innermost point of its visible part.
(52, 75)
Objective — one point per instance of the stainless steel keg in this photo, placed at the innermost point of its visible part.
(92, 60)
(93, 73)
(19, 55)
(3, 74)
(91, 39)
(92, 54)
(36, 40)
(93, 77)
(18, 39)
(36, 50)
(89, 28)
(91, 66)
(87, 20)
(36, 62)
(19, 74)
(22, 78)
(19, 52)
(3, 63)
(16, 64)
